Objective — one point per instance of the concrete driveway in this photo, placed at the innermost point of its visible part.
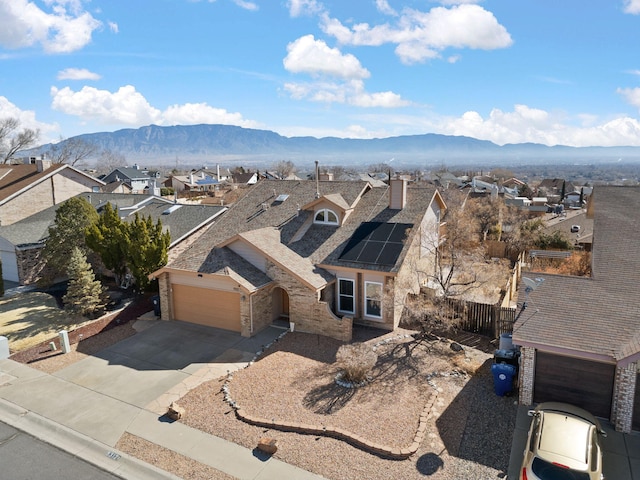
(101, 394)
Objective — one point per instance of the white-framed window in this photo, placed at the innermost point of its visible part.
(373, 299)
(346, 295)
(326, 216)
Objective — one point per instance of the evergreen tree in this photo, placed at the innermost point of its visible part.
(67, 233)
(85, 295)
(108, 238)
(147, 247)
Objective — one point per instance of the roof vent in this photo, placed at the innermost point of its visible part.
(575, 228)
(171, 209)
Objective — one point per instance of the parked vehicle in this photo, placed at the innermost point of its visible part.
(563, 444)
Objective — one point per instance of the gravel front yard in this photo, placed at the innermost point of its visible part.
(468, 434)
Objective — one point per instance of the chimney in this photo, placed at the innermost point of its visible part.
(191, 178)
(42, 165)
(326, 177)
(397, 193)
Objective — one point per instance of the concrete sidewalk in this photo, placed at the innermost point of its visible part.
(85, 409)
(620, 452)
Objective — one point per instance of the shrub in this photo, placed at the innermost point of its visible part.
(356, 361)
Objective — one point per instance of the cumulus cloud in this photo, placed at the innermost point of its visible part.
(113, 26)
(27, 119)
(246, 5)
(77, 74)
(65, 29)
(632, 7)
(315, 57)
(128, 106)
(420, 36)
(349, 93)
(384, 7)
(526, 124)
(298, 8)
(631, 95)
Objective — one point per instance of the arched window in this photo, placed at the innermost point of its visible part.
(326, 216)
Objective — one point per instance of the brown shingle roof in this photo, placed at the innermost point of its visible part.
(598, 315)
(320, 244)
(14, 178)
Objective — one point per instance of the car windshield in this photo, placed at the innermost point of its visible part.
(548, 471)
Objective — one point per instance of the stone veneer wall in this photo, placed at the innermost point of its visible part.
(306, 311)
(624, 389)
(527, 375)
(165, 298)
(30, 265)
(262, 311)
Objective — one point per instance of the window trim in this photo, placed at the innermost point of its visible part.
(325, 215)
(366, 299)
(352, 296)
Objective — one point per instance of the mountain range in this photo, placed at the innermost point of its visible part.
(206, 144)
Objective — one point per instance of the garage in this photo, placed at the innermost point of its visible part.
(213, 308)
(583, 383)
(9, 261)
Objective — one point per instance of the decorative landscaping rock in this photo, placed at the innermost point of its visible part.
(268, 445)
(175, 411)
(456, 347)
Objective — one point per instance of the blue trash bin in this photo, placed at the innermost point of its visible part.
(156, 305)
(503, 375)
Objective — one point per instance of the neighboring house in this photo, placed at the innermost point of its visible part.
(575, 225)
(244, 179)
(29, 188)
(22, 242)
(116, 187)
(194, 182)
(580, 337)
(322, 255)
(140, 181)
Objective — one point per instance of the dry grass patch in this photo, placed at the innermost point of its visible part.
(32, 318)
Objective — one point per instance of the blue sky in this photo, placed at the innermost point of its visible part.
(510, 71)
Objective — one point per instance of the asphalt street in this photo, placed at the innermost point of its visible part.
(23, 457)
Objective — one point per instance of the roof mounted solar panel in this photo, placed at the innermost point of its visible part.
(376, 243)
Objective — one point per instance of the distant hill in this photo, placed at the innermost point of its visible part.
(206, 144)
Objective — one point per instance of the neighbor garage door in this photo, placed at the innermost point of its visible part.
(583, 383)
(212, 308)
(9, 265)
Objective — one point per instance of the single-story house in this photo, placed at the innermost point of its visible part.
(22, 242)
(29, 188)
(320, 255)
(580, 336)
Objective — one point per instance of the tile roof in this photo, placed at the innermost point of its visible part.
(320, 244)
(599, 315)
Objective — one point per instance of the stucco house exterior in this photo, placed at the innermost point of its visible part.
(579, 336)
(22, 242)
(321, 255)
(140, 180)
(35, 185)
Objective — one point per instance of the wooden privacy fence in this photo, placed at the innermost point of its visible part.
(481, 318)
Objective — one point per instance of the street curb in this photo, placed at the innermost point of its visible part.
(79, 445)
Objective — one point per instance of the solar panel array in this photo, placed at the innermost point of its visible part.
(376, 243)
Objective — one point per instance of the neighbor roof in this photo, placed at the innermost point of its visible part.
(599, 315)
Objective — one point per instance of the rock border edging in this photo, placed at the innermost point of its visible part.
(336, 432)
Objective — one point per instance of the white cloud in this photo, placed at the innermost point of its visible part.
(315, 57)
(349, 93)
(297, 8)
(423, 35)
(113, 26)
(632, 6)
(77, 74)
(526, 124)
(631, 95)
(27, 119)
(66, 29)
(128, 106)
(384, 7)
(246, 5)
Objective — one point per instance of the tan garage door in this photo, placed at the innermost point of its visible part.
(212, 308)
(583, 383)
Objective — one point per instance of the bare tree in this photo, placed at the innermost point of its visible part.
(71, 151)
(13, 139)
(284, 168)
(109, 160)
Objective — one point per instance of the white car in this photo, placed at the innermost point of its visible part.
(563, 444)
